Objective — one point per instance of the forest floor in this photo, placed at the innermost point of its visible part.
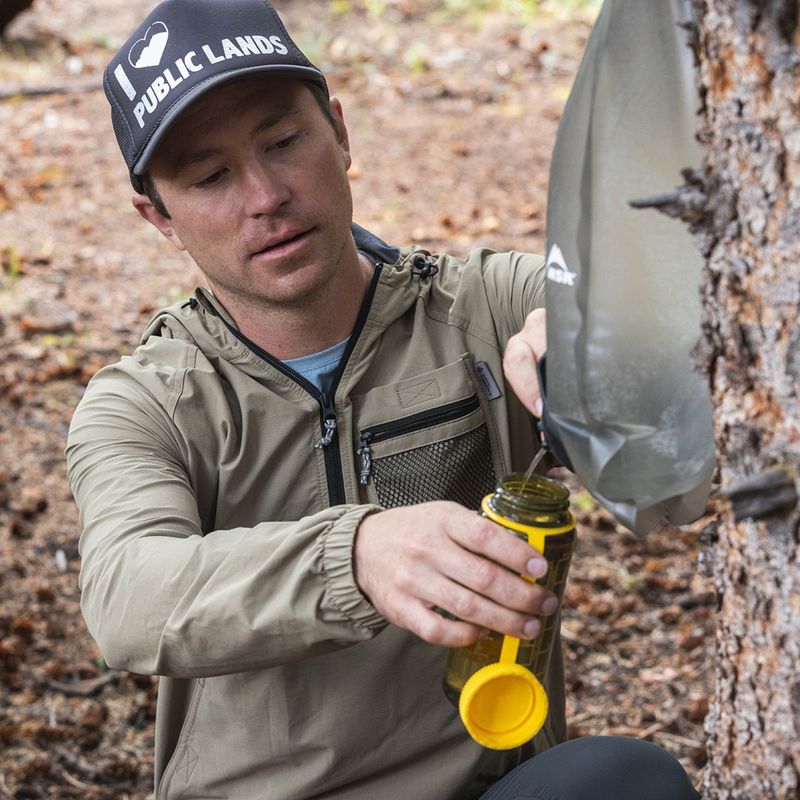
(452, 109)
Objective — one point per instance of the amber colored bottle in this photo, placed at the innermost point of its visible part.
(535, 505)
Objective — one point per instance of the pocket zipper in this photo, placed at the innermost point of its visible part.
(398, 427)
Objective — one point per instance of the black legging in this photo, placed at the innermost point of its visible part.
(597, 768)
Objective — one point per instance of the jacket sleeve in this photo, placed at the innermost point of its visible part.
(514, 285)
(492, 293)
(160, 597)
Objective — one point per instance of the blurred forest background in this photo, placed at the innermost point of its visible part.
(452, 108)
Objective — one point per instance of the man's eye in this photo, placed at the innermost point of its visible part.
(210, 180)
(284, 143)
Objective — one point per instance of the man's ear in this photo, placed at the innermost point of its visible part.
(341, 129)
(148, 211)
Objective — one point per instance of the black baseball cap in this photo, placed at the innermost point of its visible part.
(181, 50)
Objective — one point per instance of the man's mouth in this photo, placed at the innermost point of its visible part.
(278, 243)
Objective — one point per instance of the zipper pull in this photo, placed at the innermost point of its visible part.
(330, 422)
(366, 458)
(327, 437)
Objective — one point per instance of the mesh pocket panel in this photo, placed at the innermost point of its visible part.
(458, 469)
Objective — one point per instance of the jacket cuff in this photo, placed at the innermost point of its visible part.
(337, 566)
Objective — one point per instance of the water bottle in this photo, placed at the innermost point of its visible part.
(497, 683)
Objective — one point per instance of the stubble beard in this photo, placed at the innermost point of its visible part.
(295, 302)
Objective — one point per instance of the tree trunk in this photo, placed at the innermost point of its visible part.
(749, 73)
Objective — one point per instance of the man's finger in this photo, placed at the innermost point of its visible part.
(535, 330)
(519, 366)
(433, 628)
(523, 350)
(467, 606)
(489, 595)
(490, 540)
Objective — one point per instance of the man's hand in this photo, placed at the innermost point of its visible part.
(413, 559)
(519, 361)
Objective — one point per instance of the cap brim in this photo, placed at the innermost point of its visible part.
(302, 73)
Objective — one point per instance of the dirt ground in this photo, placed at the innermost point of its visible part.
(452, 116)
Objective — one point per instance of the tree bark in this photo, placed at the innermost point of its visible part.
(749, 75)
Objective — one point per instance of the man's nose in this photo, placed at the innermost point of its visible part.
(264, 190)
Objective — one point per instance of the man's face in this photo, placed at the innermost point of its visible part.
(254, 178)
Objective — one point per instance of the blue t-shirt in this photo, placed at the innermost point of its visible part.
(319, 367)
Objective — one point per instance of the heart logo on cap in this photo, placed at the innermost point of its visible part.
(147, 51)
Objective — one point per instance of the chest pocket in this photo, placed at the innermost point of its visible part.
(431, 437)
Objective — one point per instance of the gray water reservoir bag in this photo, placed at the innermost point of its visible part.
(624, 405)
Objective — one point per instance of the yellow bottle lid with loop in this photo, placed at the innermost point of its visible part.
(503, 705)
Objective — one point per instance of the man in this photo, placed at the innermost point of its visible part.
(278, 488)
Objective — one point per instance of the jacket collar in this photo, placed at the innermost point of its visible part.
(374, 247)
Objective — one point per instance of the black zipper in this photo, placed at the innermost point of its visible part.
(328, 442)
(416, 422)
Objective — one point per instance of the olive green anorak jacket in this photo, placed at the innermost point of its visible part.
(219, 494)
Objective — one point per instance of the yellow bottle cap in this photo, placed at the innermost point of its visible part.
(503, 706)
